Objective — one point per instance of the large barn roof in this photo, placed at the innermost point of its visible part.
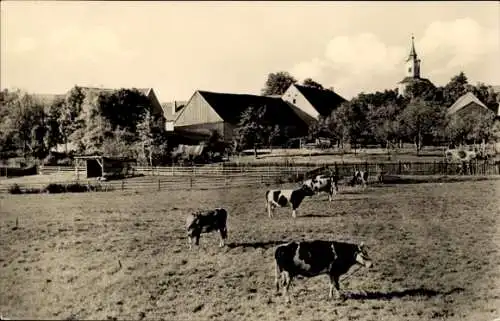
(323, 100)
(464, 101)
(230, 107)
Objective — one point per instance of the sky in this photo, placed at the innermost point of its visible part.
(180, 47)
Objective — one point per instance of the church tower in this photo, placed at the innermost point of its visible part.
(412, 62)
(411, 71)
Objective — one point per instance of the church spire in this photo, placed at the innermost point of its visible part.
(413, 52)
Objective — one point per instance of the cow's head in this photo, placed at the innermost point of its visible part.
(362, 257)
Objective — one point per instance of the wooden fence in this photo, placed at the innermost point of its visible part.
(212, 177)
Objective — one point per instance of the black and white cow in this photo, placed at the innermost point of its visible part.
(325, 184)
(359, 178)
(313, 258)
(286, 197)
(205, 222)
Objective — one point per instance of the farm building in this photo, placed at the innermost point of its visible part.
(171, 111)
(102, 166)
(467, 104)
(208, 111)
(313, 101)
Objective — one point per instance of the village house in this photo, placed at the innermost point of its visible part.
(171, 111)
(315, 102)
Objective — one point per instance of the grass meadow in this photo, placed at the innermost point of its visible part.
(124, 255)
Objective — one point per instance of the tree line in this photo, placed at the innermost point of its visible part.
(122, 123)
(386, 118)
(116, 123)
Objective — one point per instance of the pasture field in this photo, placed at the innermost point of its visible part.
(124, 255)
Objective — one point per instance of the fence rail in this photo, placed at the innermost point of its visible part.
(211, 177)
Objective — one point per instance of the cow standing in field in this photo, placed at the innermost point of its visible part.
(286, 197)
(313, 258)
(359, 178)
(325, 184)
(206, 222)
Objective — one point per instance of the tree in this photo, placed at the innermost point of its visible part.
(278, 83)
(252, 129)
(384, 124)
(69, 120)
(311, 83)
(457, 87)
(421, 120)
(123, 108)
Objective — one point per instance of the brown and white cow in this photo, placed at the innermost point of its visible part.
(359, 178)
(325, 184)
(313, 258)
(286, 197)
(205, 222)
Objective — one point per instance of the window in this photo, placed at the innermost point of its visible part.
(409, 69)
(294, 100)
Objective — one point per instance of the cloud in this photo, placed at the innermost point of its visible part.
(460, 43)
(363, 62)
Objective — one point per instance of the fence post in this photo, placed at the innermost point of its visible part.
(123, 185)
(159, 186)
(399, 169)
(191, 181)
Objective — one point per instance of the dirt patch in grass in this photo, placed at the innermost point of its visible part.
(124, 255)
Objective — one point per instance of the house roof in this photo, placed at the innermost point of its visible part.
(230, 107)
(168, 112)
(464, 101)
(323, 100)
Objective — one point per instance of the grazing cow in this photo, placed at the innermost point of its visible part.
(359, 177)
(206, 222)
(286, 197)
(313, 258)
(323, 183)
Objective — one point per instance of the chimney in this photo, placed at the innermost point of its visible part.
(174, 107)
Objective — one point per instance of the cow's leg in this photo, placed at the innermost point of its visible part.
(294, 212)
(197, 239)
(334, 284)
(286, 285)
(269, 209)
(223, 236)
(277, 276)
(190, 243)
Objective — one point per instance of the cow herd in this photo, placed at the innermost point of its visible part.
(296, 258)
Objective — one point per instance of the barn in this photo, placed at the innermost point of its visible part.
(208, 111)
(468, 104)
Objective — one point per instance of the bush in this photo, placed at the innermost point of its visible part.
(15, 189)
(54, 188)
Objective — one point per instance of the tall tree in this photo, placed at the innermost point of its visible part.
(277, 83)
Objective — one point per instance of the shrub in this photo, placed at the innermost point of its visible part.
(15, 189)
